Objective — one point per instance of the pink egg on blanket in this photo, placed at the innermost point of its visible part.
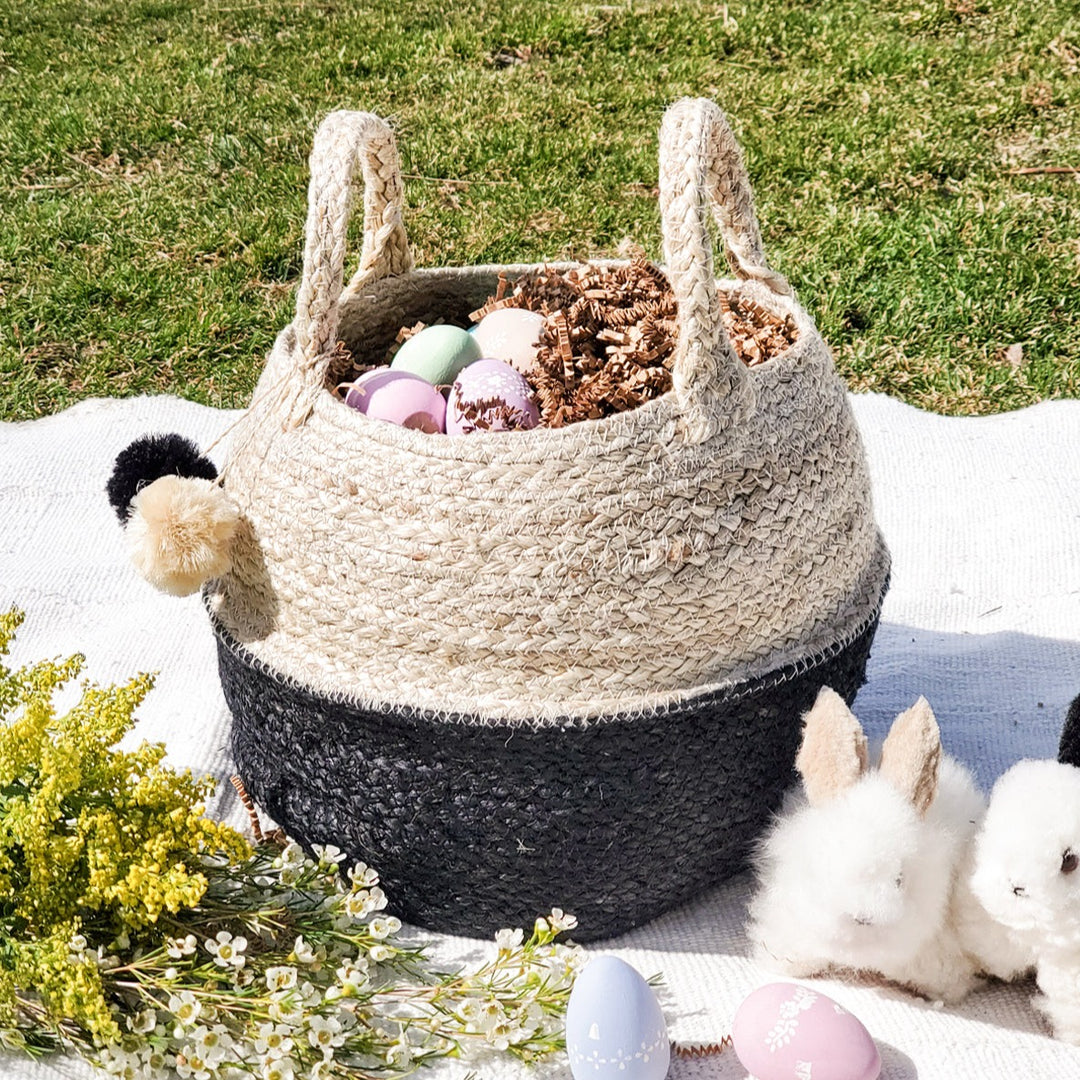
(398, 397)
(490, 396)
(511, 334)
(783, 1031)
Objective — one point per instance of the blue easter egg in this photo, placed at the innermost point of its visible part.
(615, 1029)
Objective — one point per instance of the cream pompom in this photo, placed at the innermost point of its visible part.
(180, 533)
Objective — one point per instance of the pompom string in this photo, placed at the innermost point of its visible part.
(274, 837)
(258, 399)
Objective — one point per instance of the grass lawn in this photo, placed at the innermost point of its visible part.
(153, 172)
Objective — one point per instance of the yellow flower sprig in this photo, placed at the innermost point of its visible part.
(157, 942)
(90, 835)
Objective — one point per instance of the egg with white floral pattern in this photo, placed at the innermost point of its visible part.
(490, 396)
(784, 1031)
(614, 1027)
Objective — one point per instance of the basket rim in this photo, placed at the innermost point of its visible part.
(632, 426)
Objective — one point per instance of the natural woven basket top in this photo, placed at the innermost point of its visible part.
(611, 566)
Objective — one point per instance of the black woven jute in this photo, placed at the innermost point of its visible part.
(475, 826)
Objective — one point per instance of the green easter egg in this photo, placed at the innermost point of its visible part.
(437, 354)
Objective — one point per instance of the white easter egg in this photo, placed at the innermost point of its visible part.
(784, 1031)
(614, 1027)
(511, 334)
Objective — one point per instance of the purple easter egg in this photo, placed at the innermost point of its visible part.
(490, 396)
(783, 1031)
(399, 398)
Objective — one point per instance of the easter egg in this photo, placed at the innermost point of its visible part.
(783, 1031)
(399, 398)
(511, 334)
(490, 396)
(614, 1026)
(437, 354)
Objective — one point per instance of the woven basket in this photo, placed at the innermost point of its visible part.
(559, 667)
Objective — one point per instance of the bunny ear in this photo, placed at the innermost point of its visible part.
(911, 754)
(833, 752)
(1069, 747)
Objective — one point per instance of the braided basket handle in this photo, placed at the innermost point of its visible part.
(700, 163)
(344, 141)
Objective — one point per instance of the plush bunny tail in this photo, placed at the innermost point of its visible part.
(1069, 747)
(180, 533)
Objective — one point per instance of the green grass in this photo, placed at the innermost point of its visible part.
(153, 171)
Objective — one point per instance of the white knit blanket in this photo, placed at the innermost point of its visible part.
(983, 519)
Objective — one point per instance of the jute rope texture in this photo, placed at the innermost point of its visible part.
(700, 163)
(712, 535)
(344, 141)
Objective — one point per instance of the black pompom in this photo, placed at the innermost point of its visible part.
(149, 458)
(1069, 747)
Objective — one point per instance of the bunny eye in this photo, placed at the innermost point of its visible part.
(899, 882)
(1069, 861)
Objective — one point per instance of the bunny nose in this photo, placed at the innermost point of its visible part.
(1019, 890)
(864, 920)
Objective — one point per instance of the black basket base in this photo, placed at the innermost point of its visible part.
(473, 828)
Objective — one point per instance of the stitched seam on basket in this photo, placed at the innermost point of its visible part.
(770, 665)
(736, 692)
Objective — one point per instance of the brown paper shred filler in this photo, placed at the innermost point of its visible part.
(610, 336)
(610, 333)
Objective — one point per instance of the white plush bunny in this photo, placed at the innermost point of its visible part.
(1027, 872)
(857, 872)
(994, 948)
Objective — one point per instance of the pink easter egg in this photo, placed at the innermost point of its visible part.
(398, 397)
(490, 396)
(511, 334)
(784, 1031)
